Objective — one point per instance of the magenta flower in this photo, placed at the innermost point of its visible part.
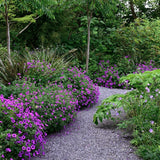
(8, 150)
(32, 147)
(28, 149)
(14, 135)
(3, 156)
(23, 148)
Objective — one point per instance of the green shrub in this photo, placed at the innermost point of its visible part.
(140, 40)
(142, 106)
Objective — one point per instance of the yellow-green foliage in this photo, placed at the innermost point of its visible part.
(141, 80)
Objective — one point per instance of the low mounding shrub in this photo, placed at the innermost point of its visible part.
(107, 75)
(140, 40)
(141, 68)
(82, 86)
(21, 130)
(142, 106)
(56, 106)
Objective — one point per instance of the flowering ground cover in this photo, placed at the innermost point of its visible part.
(109, 75)
(33, 107)
(43, 100)
(21, 129)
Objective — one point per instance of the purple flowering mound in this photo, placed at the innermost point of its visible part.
(107, 76)
(82, 86)
(21, 130)
(141, 68)
(56, 106)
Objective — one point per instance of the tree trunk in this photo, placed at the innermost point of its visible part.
(132, 9)
(89, 17)
(7, 31)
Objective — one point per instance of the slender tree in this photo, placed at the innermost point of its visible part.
(33, 8)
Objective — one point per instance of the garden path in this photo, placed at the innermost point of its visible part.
(83, 140)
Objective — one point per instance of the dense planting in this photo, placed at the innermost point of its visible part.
(53, 104)
(142, 106)
(81, 86)
(21, 130)
(45, 100)
(107, 76)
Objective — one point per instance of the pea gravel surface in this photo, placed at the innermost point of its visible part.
(83, 140)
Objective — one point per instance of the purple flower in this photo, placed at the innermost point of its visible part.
(147, 89)
(14, 135)
(23, 148)
(141, 96)
(28, 149)
(32, 147)
(3, 156)
(151, 96)
(63, 119)
(9, 135)
(8, 150)
(151, 130)
(23, 137)
(152, 122)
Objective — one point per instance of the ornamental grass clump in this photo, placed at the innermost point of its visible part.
(39, 72)
(107, 76)
(81, 86)
(21, 130)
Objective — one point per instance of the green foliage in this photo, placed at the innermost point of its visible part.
(140, 40)
(142, 80)
(126, 66)
(142, 107)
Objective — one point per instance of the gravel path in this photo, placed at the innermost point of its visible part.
(83, 140)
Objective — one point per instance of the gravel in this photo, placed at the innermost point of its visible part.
(83, 140)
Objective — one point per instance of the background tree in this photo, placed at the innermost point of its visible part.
(32, 9)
